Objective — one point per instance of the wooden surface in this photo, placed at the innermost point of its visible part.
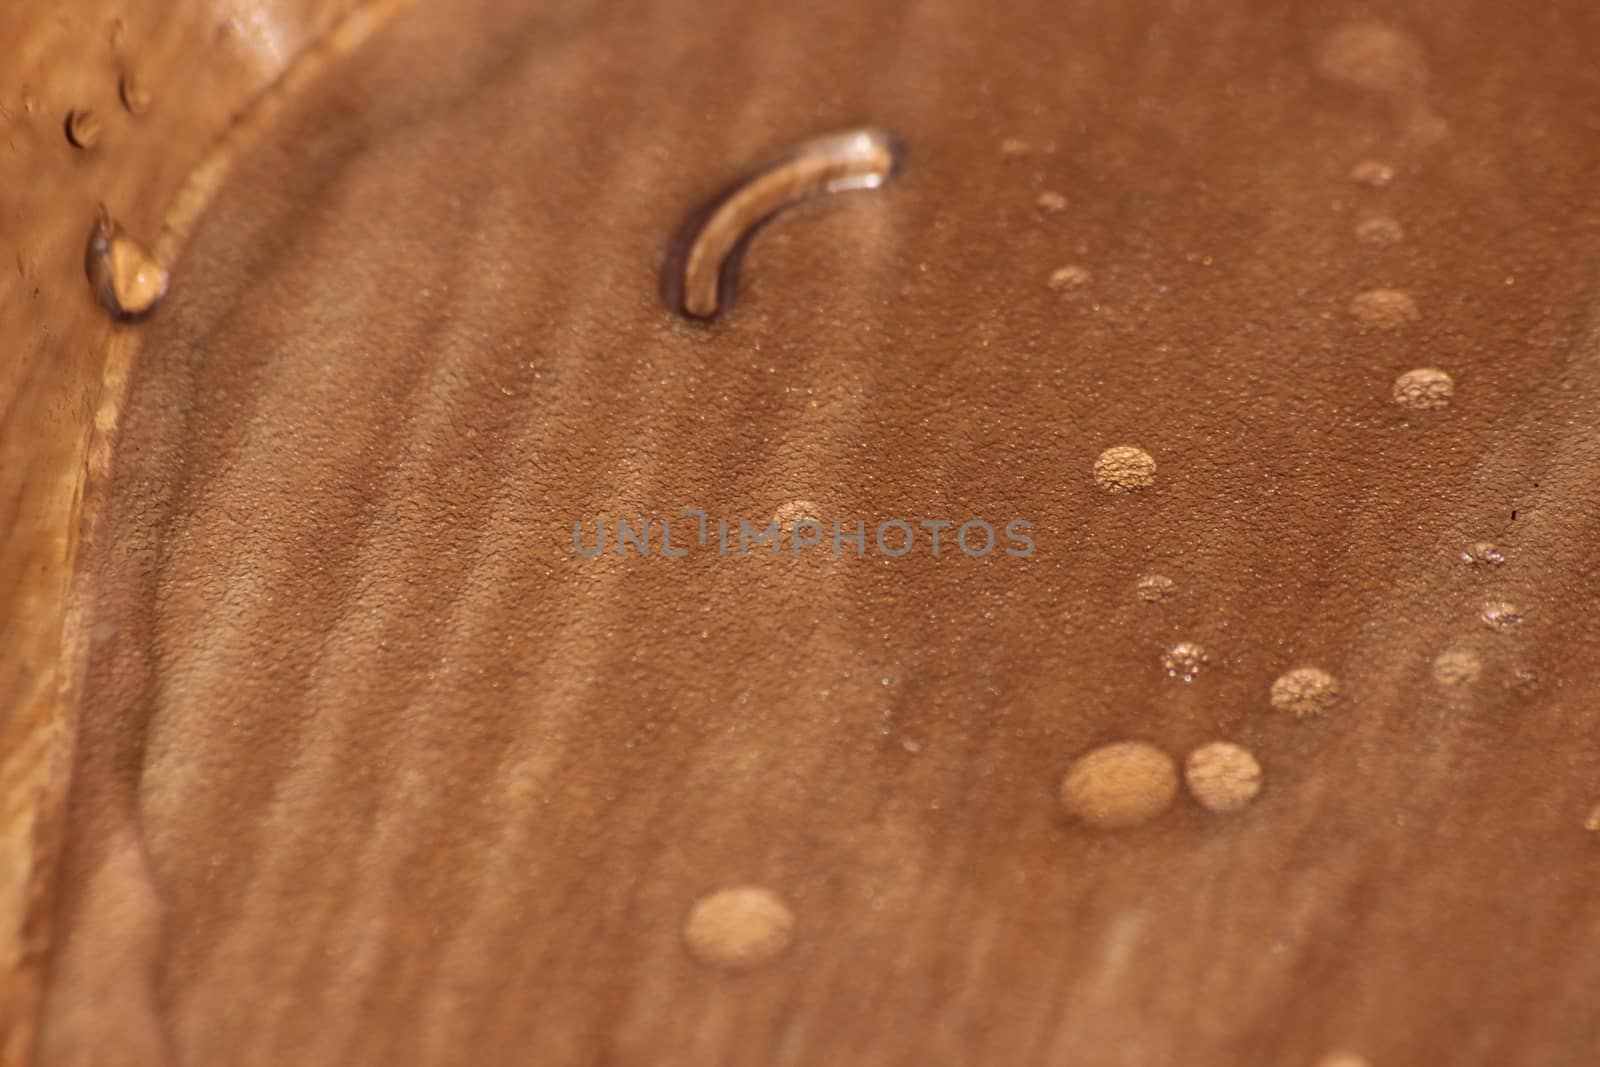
(372, 767)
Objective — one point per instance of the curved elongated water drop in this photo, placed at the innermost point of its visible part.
(700, 277)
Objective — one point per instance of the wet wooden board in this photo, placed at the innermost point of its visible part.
(374, 765)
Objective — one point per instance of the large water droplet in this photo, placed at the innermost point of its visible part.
(1305, 692)
(700, 277)
(1222, 776)
(1457, 667)
(1154, 588)
(1501, 616)
(83, 128)
(1124, 469)
(126, 279)
(737, 928)
(1184, 660)
(1384, 309)
(1119, 785)
(1424, 389)
(1380, 231)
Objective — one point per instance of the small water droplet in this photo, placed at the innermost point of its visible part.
(1343, 1059)
(1154, 588)
(30, 101)
(83, 129)
(736, 928)
(126, 279)
(1014, 148)
(1592, 823)
(1305, 692)
(1380, 231)
(1424, 389)
(1501, 617)
(1384, 309)
(910, 745)
(1222, 776)
(1119, 786)
(1184, 660)
(1069, 278)
(134, 94)
(1125, 469)
(1372, 172)
(1482, 554)
(1050, 202)
(1457, 667)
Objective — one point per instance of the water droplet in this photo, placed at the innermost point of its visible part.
(1305, 692)
(1374, 57)
(1184, 660)
(1154, 588)
(736, 928)
(1014, 148)
(1069, 278)
(1119, 785)
(1124, 469)
(30, 101)
(83, 129)
(1343, 1059)
(135, 96)
(126, 279)
(1380, 231)
(1372, 172)
(1424, 389)
(1482, 554)
(1384, 309)
(1050, 202)
(1501, 617)
(1592, 823)
(1457, 667)
(700, 276)
(1222, 776)
(1525, 680)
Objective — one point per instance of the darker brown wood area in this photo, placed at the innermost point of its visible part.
(375, 768)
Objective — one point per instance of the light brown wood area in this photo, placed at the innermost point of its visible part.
(369, 765)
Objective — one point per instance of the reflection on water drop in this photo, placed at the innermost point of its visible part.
(1069, 278)
(1501, 617)
(1222, 776)
(1372, 172)
(1154, 588)
(1457, 667)
(1482, 554)
(1424, 389)
(1305, 692)
(1120, 785)
(1184, 660)
(1384, 309)
(1379, 231)
(127, 281)
(1125, 469)
(738, 928)
(83, 129)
